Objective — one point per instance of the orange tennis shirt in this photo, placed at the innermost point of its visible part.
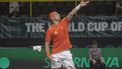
(59, 36)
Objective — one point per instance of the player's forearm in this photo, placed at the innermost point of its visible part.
(91, 58)
(47, 49)
(101, 57)
(73, 12)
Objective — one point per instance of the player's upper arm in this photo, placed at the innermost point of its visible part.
(48, 35)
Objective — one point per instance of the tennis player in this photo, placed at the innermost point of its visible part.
(59, 36)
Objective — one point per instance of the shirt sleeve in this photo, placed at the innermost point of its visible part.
(66, 21)
(48, 36)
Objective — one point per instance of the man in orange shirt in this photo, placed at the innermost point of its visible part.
(59, 36)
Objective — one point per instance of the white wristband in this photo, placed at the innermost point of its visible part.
(78, 7)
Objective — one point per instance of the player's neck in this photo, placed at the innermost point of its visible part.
(55, 22)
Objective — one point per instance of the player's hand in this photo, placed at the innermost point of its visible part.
(84, 3)
(94, 62)
(103, 61)
(53, 59)
(50, 57)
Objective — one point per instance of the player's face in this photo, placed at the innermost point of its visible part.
(57, 16)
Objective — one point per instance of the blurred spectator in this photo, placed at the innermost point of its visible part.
(95, 57)
(120, 46)
(118, 8)
(14, 9)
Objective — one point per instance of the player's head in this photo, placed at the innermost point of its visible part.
(54, 16)
(94, 44)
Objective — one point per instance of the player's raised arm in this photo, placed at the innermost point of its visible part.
(74, 11)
